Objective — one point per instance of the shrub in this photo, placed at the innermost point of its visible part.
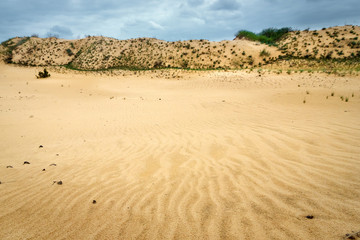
(275, 34)
(44, 74)
(268, 36)
(69, 52)
(247, 35)
(264, 53)
(158, 64)
(184, 63)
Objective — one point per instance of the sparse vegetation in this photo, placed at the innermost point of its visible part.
(44, 74)
(264, 53)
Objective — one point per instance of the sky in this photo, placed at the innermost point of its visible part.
(169, 20)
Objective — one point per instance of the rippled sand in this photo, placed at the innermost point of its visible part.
(212, 155)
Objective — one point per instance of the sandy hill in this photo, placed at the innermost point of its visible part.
(143, 53)
(334, 42)
(93, 53)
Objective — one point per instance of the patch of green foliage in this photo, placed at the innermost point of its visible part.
(269, 36)
(69, 52)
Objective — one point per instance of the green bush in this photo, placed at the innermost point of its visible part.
(69, 52)
(44, 74)
(247, 35)
(275, 34)
(269, 36)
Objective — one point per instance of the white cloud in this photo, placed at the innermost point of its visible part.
(156, 25)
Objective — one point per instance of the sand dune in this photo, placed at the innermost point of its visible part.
(325, 50)
(210, 155)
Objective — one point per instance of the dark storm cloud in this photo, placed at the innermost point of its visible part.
(229, 5)
(167, 19)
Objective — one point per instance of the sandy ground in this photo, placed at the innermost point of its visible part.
(212, 155)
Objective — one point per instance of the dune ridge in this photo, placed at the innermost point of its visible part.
(334, 44)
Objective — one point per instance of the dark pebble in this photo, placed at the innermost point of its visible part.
(41, 146)
(94, 201)
(59, 182)
(44, 169)
(9, 166)
(53, 164)
(309, 216)
(26, 162)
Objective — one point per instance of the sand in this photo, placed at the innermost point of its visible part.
(207, 155)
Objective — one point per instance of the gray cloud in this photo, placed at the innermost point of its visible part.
(228, 5)
(60, 31)
(168, 19)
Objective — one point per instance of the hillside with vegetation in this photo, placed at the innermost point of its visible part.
(271, 47)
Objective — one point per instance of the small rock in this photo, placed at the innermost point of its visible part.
(309, 216)
(53, 164)
(26, 162)
(43, 169)
(41, 146)
(60, 182)
(94, 201)
(9, 166)
(349, 236)
(0, 182)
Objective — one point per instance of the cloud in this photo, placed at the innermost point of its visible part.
(227, 5)
(168, 19)
(156, 25)
(61, 31)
